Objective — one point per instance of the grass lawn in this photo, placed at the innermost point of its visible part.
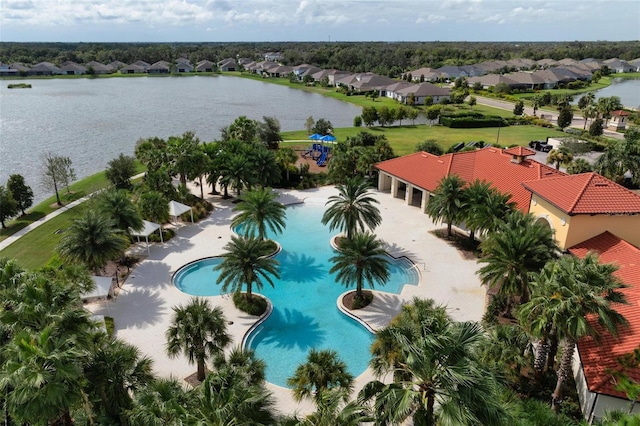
(77, 190)
(404, 139)
(34, 249)
(601, 84)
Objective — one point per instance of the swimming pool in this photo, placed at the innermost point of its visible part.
(304, 314)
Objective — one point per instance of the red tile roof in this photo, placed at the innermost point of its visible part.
(599, 358)
(489, 164)
(520, 151)
(586, 193)
(619, 112)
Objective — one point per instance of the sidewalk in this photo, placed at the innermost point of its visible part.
(4, 244)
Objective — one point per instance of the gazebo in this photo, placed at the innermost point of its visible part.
(148, 228)
(176, 209)
(102, 290)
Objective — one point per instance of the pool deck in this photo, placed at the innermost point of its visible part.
(143, 309)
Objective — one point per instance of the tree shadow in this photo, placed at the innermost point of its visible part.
(149, 274)
(395, 250)
(290, 328)
(299, 268)
(134, 308)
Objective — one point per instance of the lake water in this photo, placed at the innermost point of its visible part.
(93, 120)
(627, 89)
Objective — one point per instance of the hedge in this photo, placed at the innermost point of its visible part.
(472, 122)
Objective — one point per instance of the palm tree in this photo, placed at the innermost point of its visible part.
(360, 259)
(116, 370)
(485, 207)
(506, 350)
(245, 264)
(154, 206)
(286, 158)
(448, 202)
(117, 205)
(560, 156)
(198, 331)
(441, 380)
(181, 153)
(43, 373)
(244, 361)
(521, 245)
(237, 172)
(258, 212)
(322, 371)
(353, 208)
(536, 102)
(331, 410)
(576, 296)
(93, 241)
(265, 167)
(579, 165)
(163, 402)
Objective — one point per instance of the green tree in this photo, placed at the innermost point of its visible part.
(519, 246)
(309, 124)
(565, 116)
(369, 116)
(386, 116)
(323, 370)
(286, 158)
(92, 240)
(22, 193)
(485, 207)
(56, 172)
(8, 205)
(433, 112)
(181, 151)
(163, 402)
(360, 259)
(269, 132)
(431, 146)
(259, 212)
(245, 264)
(265, 166)
(44, 375)
(401, 114)
(607, 104)
(472, 101)
(596, 127)
(518, 108)
(559, 156)
(579, 165)
(198, 331)
(117, 205)
(152, 152)
(154, 206)
(412, 114)
(576, 296)
(120, 170)
(536, 103)
(116, 370)
(323, 127)
(438, 379)
(353, 208)
(242, 129)
(331, 410)
(448, 201)
(237, 172)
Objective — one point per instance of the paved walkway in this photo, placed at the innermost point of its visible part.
(143, 309)
(7, 241)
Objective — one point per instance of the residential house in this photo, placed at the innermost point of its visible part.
(453, 72)
(45, 68)
(7, 71)
(521, 63)
(227, 65)
(72, 68)
(527, 80)
(132, 69)
(98, 67)
(419, 92)
(160, 67)
(273, 56)
(635, 63)
(143, 64)
(278, 71)
(592, 64)
(618, 65)
(183, 65)
(116, 65)
(205, 66)
(365, 82)
(332, 75)
(491, 80)
(423, 74)
(301, 71)
(546, 63)
(21, 68)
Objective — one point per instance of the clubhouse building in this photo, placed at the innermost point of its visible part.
(587, 212)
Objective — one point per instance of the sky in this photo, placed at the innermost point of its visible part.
(317, 20)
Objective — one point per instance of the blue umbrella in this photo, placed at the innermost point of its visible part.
(315, 136)
(328, 138)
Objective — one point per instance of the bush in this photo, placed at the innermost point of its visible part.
(120, 171)
(256, 306)
(472, 122)
(357, 121)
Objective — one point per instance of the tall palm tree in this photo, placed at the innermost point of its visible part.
(441, 381)
(536, 103)
(286, 158)
(237, 172)
(361, 259)
(576, 296)
(265, 167)
(353, 208)
(244, 361)
(163, 402)
(579, 165)
(560, 156)
(44, 375)
(93, 241)
(448, 201)
(521, 245)
(244, 264)
(486, 206)
(117, 205)
(322, 371)
(116, 370)
(331, 410)
(199, 331)
(181, 153)
(258, 211)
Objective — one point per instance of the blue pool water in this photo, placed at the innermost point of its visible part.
(304, 314)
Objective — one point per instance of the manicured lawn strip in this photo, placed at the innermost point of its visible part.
(626, 75)
(78, 189)
(601, 84)
(34, 249)
(404, 139)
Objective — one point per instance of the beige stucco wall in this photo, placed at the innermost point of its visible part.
(571, 230)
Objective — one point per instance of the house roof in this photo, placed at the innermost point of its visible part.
(519, 151)
(619, 112)
(424, 89)
(490, 164)
(493, 79)
(599, 358)
(586, 193)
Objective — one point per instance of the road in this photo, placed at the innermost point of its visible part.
(577, 122)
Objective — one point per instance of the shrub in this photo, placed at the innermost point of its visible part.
(256, 306)
(357, 121)
(472, 122)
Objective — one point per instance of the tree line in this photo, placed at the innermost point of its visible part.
(382, 58)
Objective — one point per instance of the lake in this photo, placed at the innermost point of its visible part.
(93, 120)
(627, 89)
